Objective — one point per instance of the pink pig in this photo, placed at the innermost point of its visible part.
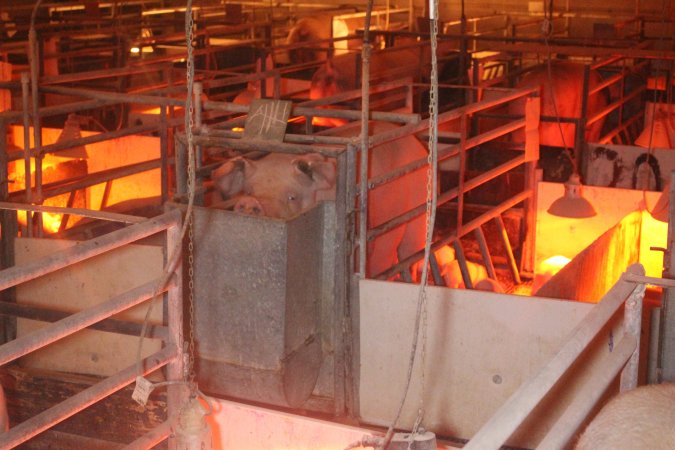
(643, 418)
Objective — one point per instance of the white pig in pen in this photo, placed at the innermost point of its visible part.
(643, 418)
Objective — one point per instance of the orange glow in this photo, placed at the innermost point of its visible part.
(329, 122)
(50, 221)
(547, 269)
(553, 264)
(299, 119)
(653, 233)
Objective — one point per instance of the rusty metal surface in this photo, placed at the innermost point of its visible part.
(258, 291)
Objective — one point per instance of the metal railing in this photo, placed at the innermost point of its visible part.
(171, 355)
(629, 290)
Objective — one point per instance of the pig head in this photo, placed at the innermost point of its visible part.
(277, 185)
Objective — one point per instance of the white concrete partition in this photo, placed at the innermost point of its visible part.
(480, 349)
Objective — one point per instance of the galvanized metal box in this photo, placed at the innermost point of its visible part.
(262, 296)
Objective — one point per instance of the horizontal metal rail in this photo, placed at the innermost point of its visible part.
(518, 407)
(466, 229)
(111, 325)
(82, 212)
(35, 425)
(84, 181)
(152, 437)
(23, 345)
(43, 266)
(576, 413)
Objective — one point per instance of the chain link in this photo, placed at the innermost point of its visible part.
(189, 124)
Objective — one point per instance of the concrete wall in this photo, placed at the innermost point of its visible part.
(479, 348)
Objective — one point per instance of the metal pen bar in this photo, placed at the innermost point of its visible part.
(567, 425)
(518, 407)
(152, 437)
(20, 274)
(23, 345)
(110, 325)
(63, 187)
(37, 424)
(102, 215)
(468, 227)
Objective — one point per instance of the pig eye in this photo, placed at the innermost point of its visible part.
(291, 197)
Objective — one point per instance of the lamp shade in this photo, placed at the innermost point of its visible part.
(572, 204)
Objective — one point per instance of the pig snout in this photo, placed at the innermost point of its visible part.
(249, 205)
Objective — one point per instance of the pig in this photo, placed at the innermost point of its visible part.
(342, 73)
(278, 185)
(4, 416)
(566, 88)
(283, 185)
(452, 275)
(308, 30)
(643, 418)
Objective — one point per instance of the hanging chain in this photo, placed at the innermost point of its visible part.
(189, 124)
(432, 182)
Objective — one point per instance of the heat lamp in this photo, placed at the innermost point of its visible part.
(572, 204)
(658, 132)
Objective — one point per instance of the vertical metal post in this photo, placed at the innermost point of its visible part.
(365, 140)
(164, 152)
(507, 246)
(632, 322)
(176, 394)
(7, 235)
(180, 166)
(341, 283)
(485, 252)
(667, 322)
(26, 149)
(350, 324)
(37, 128)
(462, 174)
(580, 124)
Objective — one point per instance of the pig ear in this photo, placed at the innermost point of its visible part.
(319, 170)
(230, 178)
